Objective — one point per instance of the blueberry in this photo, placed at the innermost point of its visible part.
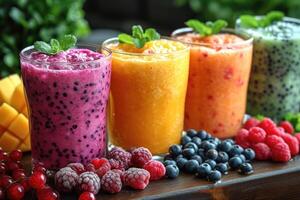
(235, 162)
(185, 139)
(191, 145)
(169, 162)
(191, 133)
(222, 157)
(188, 152)
(181, 162)
(201, 152)
(242, 157)
(172, 171)
(206, 145)
(202, 134)
(246, 168)
(236, 150)
(203, 170)
(179, 156)
(191, 166)
(216, 141)
(209, 136)
(212, 154)
(231, 141)
(168, 157)
(212, 163)
(175, 150)
(225, 146)
(197, 141)
(198, 158)
(214, 176)
(249, 154)
(222, 167)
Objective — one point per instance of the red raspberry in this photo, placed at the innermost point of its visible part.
(102, 170)
(121, 155)
(156, 169)
(140, 156)
(297, 135)
(292, 142)
(256, 135)
(272, 140)
(287, 126)
(77, 167)
(281, 152)
(90, 167)
(89, 182)
(120, 172)
(66, 179)
(269, 126)
(99, 162)
(262, 151)
(115, 164)
(252, 122)
(242, 138)
(136, 178)
(111, 182)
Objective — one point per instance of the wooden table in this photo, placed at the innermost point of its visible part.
(269, 181)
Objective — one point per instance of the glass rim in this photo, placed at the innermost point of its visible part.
(88, 46)
(242, 34)
(115, 39)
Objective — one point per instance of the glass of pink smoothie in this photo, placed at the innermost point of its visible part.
(67, 95)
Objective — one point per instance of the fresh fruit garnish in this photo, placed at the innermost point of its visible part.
(55, 46)
(111, 182)
(208, 28)
(136, 178)
(139, 37)
(66, 179)
(89, 182)
(249, 21)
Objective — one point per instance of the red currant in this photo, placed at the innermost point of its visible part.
(5, 181)
(12, 165)
(3, 156)
(16, 155)
(39, 168)
(18, 174)
(25, 183)
(87, 196)
(37, 180)
(2, 194)
(47, 193)
(15, 191)
(2, 169)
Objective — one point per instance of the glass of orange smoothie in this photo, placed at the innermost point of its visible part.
(148, 89)
(218, 80)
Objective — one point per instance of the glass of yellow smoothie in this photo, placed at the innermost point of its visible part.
(219, 72)
(148, 88)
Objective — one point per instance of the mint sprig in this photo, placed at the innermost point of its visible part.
(208, 28)
(139, 37)
(249, 21)
(55, 46)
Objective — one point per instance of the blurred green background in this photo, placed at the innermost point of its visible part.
(24, 21)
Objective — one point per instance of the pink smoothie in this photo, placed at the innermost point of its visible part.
(67, 95)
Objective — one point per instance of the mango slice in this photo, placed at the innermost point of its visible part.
(15, 79)
(6, 90)
(18, 98)
(19, 127)
(7, 114)
(8, 142)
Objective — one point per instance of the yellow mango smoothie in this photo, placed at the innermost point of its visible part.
(148, 89)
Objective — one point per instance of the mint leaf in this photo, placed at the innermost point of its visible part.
(248, 21)
(218, 25)
(55, 46)
(275, 16)
(139, 38)
(43, 47)
(67, 42)
(259, 117)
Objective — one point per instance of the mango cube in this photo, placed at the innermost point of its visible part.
(18, 98)
(19, 127)
(8, 142)
(25, 111)
(15, 79)
(6, 90)
(7, 114)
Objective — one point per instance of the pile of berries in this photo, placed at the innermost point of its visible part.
(120, 169)
(269, 141)
(207, 157)
(15, 185)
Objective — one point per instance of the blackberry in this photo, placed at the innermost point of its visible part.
(191, 133)
(212, 154)
(188, 152)
(203, 170)
(172, 171)
(185, 139)
(175, 150)
(191, 166)
(214, 176)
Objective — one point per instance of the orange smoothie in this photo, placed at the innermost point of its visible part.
(148, 89)
(218, 80)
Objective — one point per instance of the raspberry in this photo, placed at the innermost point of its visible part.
(99, 162)
(136, 178)
(115, 164)
(256, 135)
(269, 126)
(287, 126)
(262, 151)
(121, 155)
(252, 122)
(297, 135)
(281, 152)
(90, 167)
(66, 179)
(102, 170)
(156, 169)
(89, 182)
(120, 172)
(111, 182)
(292, 142)
(272, 140)
(140, 156)
(77, 167)
(242, 138)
